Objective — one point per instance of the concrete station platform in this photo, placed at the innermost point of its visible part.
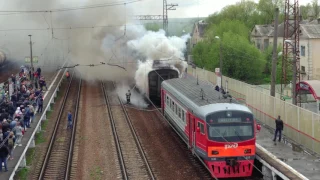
(300, 161)
(52, 80)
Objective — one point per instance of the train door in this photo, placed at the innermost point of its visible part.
(190, 130)
(192, 134)
(200, 135)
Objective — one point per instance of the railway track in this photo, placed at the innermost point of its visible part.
(57, 161)
(132, 158)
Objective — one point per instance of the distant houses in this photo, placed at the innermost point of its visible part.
(197, 35)
(262, 37)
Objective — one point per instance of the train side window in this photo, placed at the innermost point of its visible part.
(201, 126)
(170, 103)
(167, 101)
(179, 112)
(172, 106)
(175, 109)
(183, 116)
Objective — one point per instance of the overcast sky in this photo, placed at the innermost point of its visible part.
(190, 8)
(186, 8)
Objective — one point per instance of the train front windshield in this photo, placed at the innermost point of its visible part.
(230, 126)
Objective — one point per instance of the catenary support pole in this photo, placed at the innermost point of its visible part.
(275, 55)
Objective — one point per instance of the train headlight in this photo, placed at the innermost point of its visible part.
(215, 152)
(247, 151)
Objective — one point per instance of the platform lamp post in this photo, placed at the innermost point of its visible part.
(217, 37)
(294, 72)
(31, 58)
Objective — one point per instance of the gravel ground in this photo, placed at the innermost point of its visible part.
(96, 158)
(166, 153)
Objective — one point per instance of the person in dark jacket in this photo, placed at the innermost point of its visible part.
(217, 88)
(128, 95)
(69, 120)
(39, 71)
(4, 152)
(40, 103)
(279, 128)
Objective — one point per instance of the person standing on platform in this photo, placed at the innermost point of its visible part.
(4, 152)
(128, 95)
(69, 120)
(279, 129)
(39, 71)
(68, 75)
(40, 103)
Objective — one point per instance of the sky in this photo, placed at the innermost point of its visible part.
(190, 8)
(16, 27)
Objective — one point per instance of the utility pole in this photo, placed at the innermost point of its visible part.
(294, 77)
(221, 61)
(31, 58)
(275, 55)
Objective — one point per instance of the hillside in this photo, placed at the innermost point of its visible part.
(176, 26)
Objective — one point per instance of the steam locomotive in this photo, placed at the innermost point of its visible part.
(2, 58)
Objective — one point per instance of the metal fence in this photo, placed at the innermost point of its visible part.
(301, 125)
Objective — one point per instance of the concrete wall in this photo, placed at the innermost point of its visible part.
(316, 57)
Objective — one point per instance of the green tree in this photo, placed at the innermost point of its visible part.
(244, 11)
(315, 8)
(267, 55)
(241, 60)
(267, 7)
(305, 11)
(234, 26)
(152, 27)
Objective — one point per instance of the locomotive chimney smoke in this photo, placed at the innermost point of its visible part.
(155, 47)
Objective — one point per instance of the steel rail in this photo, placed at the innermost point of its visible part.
(72, 139)
(116, 137)
(138, 143)
(53, 137)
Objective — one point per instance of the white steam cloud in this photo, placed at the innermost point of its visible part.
(112, 39)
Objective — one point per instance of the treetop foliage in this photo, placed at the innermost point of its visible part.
(233, 24)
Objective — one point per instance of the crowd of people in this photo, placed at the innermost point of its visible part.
(22, 98)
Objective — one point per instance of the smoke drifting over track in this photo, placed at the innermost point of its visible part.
(114, 38)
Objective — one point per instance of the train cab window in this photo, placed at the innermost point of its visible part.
(201, 126)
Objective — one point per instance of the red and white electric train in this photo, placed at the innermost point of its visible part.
(217, 129)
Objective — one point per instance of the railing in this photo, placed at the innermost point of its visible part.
(43, 117)
(301, 125)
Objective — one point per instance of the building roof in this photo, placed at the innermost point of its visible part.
(201, 25)
(312, 28)
(263, 30)
(313, 86)
(201, 28)
(312, 31)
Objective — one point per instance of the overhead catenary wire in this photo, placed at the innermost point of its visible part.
(72, 8)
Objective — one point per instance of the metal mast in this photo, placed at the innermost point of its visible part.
(291, 51)
(167, 7)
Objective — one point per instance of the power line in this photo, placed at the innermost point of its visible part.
(71, 8)
(80, 27)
